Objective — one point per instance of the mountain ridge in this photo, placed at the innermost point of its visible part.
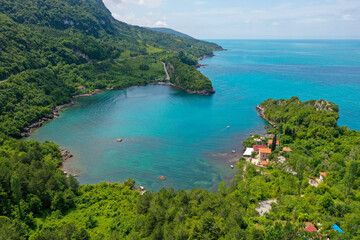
(170, 31)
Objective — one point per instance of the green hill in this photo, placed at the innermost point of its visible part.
(171, 31)
(50, 47)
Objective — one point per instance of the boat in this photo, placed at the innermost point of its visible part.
(232, 166)
(119, 140)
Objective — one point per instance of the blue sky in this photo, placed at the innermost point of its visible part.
(245, 19)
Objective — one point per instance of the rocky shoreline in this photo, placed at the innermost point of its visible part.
(65, 155)
(206, 56)
(205, 92)
(200, 65)
(261, 112)
(27, 131)
(68, 171)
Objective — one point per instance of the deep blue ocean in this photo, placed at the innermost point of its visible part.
(185, 137)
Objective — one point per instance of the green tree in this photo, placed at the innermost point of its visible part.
(351, 175)
(16, 189)
(273, 146)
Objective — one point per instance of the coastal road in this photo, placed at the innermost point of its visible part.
(167, 74)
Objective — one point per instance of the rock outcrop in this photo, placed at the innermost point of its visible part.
(261, 112)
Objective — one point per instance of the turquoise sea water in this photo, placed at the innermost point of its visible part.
(183, 136)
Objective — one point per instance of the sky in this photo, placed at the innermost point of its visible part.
(245, 19)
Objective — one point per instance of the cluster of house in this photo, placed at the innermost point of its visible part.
(262, 152)
(259, 154)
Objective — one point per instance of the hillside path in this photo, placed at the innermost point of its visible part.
(167, 74)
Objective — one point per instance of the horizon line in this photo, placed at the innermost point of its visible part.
(279, 38)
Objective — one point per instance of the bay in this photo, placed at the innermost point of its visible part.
(185, 137)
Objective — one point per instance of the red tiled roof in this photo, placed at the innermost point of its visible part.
(257, 147)
(264, 163)
(271, 142)
(324, 174)
(287, 149)
(311, 229)
(265, 150)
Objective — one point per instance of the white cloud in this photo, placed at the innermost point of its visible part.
(347, 17)
(290, 11)
(286, 18)
(198, 3)
(161, 24)
(311, 20)
(124, 4)
(131, 18)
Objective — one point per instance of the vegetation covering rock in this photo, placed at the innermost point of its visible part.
(39, 202)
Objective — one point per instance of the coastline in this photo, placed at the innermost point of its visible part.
(261, 112)
(66, 155)
(27, 131)
(205, 92)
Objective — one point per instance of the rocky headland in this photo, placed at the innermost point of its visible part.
(261, 112)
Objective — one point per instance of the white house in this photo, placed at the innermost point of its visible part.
(248, 152)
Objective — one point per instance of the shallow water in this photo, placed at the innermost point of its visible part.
(183, 136)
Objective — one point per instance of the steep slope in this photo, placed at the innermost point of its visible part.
(77, 25)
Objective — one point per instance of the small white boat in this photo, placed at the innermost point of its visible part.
(232, 166)
(227, 126)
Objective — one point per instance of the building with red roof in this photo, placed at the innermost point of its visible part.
(311, 229)
(270, 142)
(323, 175)
(264, 153)
(265, 163)
(257, 147)
(287, 149)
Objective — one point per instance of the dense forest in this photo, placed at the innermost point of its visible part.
(39, 202)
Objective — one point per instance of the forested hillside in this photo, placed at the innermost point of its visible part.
(171, 31)
(39, 202)
(51, 47)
